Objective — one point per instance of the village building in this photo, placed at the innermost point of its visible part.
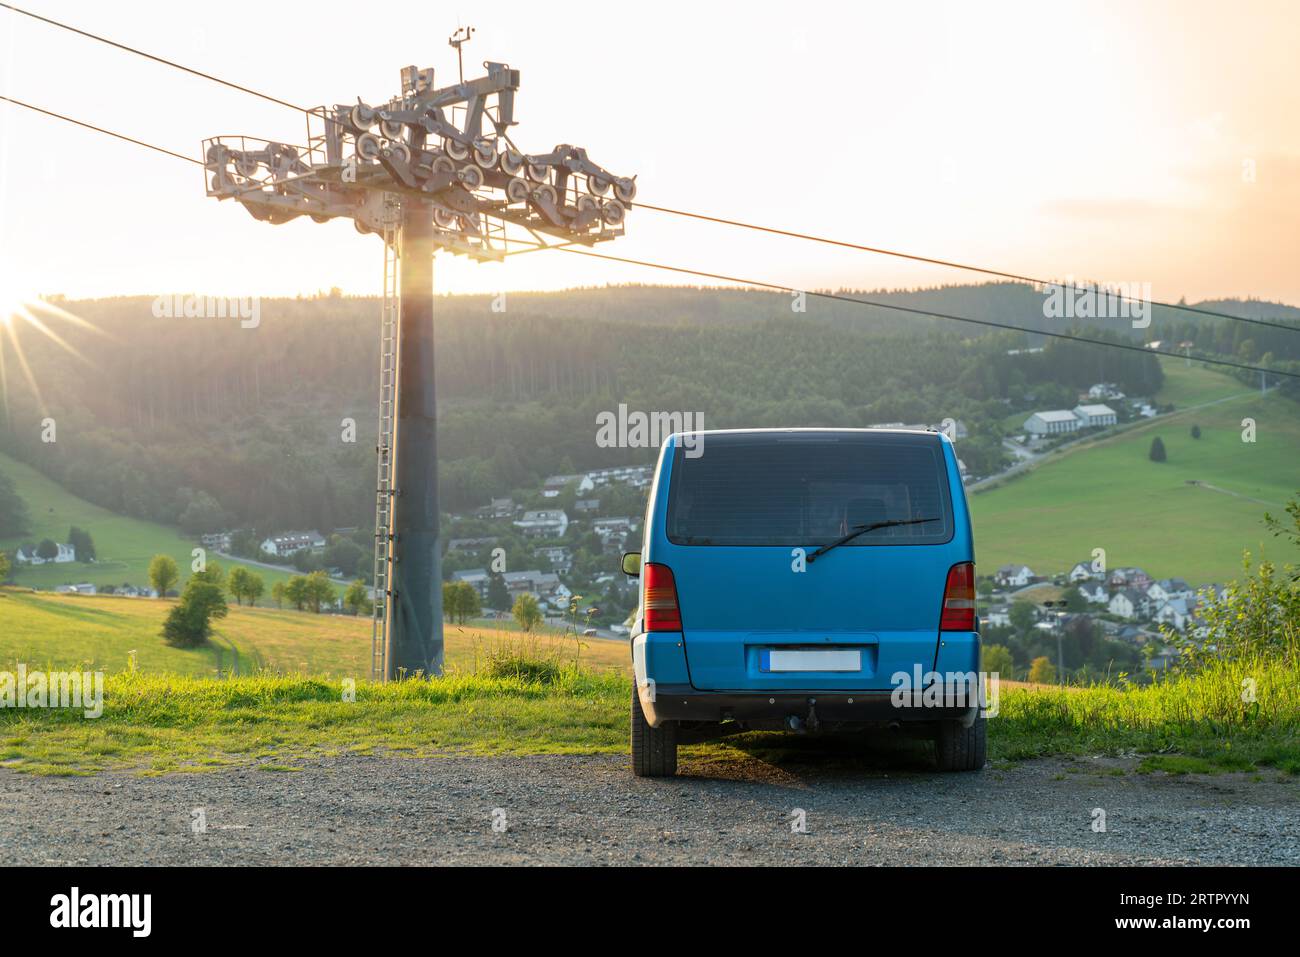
(1095, 416)
(544, 523)
(288, 543)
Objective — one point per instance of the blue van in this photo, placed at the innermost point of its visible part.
(806, 580)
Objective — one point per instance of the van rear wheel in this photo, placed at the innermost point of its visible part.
(959, 748)
(654, 750)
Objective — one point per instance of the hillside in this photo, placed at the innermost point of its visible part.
(104, 631)
(199, 419)
(1108, 494)
(1101, 494)
(123, 545)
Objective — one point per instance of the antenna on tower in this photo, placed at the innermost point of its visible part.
(461, 36)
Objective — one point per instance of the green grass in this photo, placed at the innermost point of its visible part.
(1187, 385)
(123, 545)
(1183, 723)
(165, 723)
(101, 632)
(1108, 494)
(161, 723)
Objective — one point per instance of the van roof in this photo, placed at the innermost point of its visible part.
(676, 437)
(845, 431)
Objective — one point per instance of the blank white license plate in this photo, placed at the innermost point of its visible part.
(814, 659)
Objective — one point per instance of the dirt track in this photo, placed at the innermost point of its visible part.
(590, 810)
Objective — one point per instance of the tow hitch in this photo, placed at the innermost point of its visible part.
(805, 724)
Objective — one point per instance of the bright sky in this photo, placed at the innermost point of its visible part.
(1110, 141)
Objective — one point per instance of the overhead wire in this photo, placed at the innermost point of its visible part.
(772, 230)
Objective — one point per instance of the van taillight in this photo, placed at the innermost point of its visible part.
(659, 606)
(959, 599)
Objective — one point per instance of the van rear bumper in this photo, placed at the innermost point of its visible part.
(684, 703)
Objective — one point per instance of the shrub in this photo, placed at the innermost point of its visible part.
(1257, 617)
(189, 624)
(997, 659)
(527, 612)
(1042, 671)
(163, 574)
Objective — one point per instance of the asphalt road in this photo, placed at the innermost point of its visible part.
(590, 810)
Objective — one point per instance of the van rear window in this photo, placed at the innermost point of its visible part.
(799, 489)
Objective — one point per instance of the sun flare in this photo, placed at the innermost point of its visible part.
(20, 309)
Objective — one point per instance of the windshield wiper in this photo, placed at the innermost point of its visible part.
(863, 529)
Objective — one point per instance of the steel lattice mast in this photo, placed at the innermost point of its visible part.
(430, 169)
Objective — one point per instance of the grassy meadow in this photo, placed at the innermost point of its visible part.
(104, 632)
(155, 724)
(1107, 494)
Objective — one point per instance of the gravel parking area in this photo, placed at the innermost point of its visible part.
(590, 810)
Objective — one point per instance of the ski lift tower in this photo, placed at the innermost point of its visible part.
(432, 168)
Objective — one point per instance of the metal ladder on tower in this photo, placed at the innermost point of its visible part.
(389, 315)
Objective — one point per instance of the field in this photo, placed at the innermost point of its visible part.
(123, 545)
(1108, 494)
(270, 693)
(104, 632)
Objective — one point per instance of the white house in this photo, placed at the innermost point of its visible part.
(1167, 589)
(554, 591)
(286, 543)
(1052, 423)
(998, 616)
(557, 556)
(555, 484)
(1095, 592)
(613, 530)
(1018, 575)
(85, 588)
(1095, 416)
(544, 523)
(1176, 613)
(1127, 603)
(1083, 571)
(28, 556)
(1105, 390)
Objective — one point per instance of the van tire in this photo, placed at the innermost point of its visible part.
(959, 748)
(654, 750)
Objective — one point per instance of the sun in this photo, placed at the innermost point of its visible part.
(12, 299)
(23, 310)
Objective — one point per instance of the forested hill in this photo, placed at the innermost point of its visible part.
(207, 423)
